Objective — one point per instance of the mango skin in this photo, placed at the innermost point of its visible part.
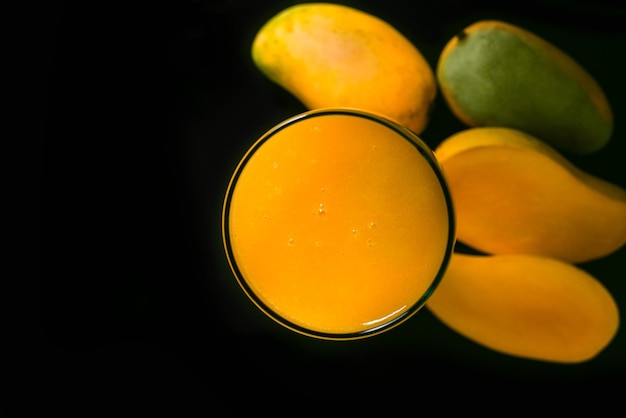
(526, 306)
(329, 55)
(497, 74)
(513, 193)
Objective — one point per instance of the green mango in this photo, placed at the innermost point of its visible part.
(496, 74)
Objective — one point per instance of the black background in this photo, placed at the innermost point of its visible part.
(145, 110)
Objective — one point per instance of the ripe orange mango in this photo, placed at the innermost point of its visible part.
(513, 193)
(496, 74)
(330, 55)
(526, 306)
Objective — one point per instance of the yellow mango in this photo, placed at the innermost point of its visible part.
(329, 55)
(496, 74)
(527, 306)
(513, 193)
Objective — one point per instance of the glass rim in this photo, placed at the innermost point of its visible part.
(403, 132)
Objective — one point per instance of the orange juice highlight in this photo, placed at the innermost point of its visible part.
(337, 224)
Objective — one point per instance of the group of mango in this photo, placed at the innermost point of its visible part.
(530, 214)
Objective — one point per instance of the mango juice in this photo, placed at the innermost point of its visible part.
(338, 223)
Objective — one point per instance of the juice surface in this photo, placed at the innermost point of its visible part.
(338, 224)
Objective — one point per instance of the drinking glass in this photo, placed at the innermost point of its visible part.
(338, 223)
